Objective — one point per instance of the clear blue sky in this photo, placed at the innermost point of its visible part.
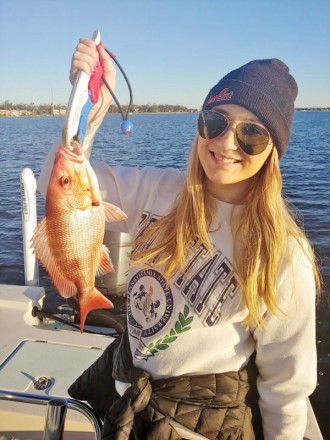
(173, 51)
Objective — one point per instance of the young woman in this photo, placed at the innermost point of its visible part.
(219, 270)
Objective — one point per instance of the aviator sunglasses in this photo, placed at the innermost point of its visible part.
(252, 138)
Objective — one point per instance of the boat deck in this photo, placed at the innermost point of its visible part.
(32, 353)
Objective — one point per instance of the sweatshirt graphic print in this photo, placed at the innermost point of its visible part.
(159, 313)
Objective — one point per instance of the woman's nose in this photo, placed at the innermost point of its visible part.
(228, 140)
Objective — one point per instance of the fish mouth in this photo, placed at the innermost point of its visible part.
(75, 155)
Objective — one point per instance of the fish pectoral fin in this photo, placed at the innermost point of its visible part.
(113, 213)
(94, 300)
(43, 252)
(105, 265)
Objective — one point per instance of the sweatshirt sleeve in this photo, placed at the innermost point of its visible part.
(286, 353)
(137, 191)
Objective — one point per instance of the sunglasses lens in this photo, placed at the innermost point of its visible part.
(252, 138)
(211, 124)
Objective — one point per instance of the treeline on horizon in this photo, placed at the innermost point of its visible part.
(49, 109)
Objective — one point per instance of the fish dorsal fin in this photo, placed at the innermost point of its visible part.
(43, 252)
(105, 264)
(113, 213)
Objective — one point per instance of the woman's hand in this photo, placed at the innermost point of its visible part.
(85, 58)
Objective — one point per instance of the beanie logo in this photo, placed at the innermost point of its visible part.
(224, 95)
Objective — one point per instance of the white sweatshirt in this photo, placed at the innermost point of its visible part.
(194, 324)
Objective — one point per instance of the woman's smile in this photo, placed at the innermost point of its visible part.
(224, 160)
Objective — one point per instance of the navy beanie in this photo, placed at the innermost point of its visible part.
(266, 88)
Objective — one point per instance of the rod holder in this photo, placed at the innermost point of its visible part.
(55, 418)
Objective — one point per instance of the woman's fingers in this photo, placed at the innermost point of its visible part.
(84, 59)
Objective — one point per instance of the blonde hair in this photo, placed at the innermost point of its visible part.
(261, 240)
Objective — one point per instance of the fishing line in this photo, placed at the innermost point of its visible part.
(126, 125)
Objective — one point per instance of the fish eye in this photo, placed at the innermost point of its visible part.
(65, 180)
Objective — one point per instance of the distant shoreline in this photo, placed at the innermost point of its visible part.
(108, 114)
(316, 109)
(28, 113)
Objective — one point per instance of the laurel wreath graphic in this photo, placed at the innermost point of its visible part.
(181, 326)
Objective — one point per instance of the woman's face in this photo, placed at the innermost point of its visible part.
(227, 168)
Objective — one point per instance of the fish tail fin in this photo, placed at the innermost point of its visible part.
(95, 300)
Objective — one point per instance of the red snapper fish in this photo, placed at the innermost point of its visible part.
(69, 240)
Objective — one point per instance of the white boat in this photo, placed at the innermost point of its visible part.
(39, 359)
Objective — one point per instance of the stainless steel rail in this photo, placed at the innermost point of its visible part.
(56, 412)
